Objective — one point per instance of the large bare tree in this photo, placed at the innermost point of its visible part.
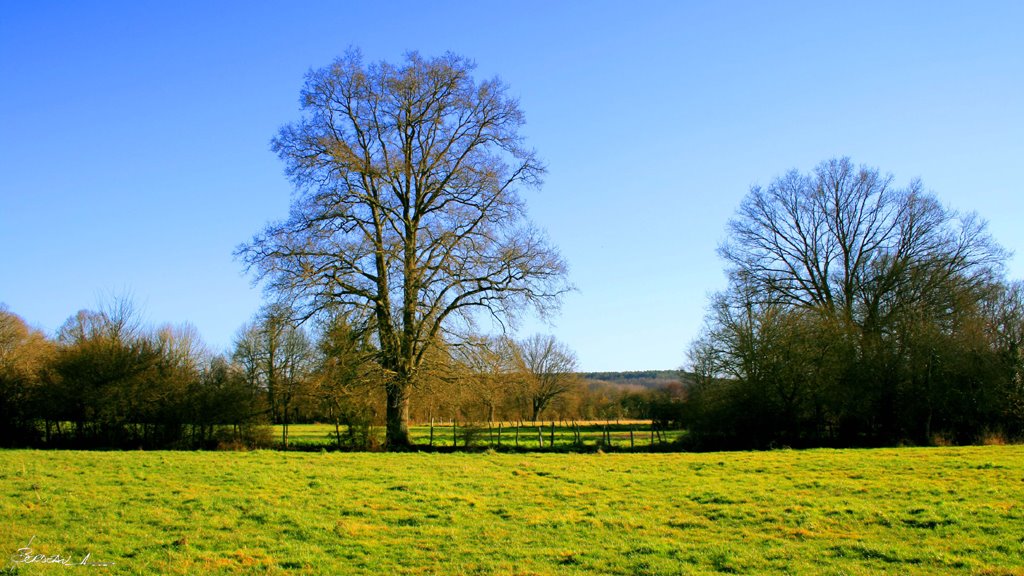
(853, 312)
(406, 210)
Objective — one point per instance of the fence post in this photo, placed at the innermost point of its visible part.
(455, 435)
(630, 437)
(431, 430)
(552, 437)
(540, 437)
(499, 434)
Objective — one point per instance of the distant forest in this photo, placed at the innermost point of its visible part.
(650, 379)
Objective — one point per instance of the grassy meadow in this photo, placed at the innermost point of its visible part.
(892, 511)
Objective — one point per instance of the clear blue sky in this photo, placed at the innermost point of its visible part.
(134, 137)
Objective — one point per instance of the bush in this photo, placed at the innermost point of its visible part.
(471, 434)
(244, 437)
(993, 438)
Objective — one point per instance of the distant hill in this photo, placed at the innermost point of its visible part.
(651, 379)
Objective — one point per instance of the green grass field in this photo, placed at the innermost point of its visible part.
(894, 511)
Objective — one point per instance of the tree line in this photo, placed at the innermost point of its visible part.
(106, 381)
(857, 313)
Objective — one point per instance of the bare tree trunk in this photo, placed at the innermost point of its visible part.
(396, 436)
(285, 419)
(337, 431)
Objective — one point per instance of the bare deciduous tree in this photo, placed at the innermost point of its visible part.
(488, 369)
(853, 311)
(407, 211)
(24, 352)
(183, 346)
(345, 380)
(277, 357)
(846, 241)
(549, 369)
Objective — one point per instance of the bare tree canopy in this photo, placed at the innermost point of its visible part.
(488, 369)
(846, 240)
(277, 357)
(549, 367)
(406, 209)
